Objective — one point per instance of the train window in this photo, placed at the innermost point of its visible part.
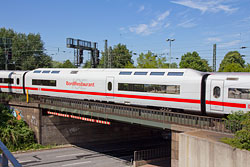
(137, 87)
(157, 73)
(175, 73)
(46, 72)
(173, 89)
(232, 79)
(140, 73)
(52, 83)
(109, 86)
(55, 72)
(238, 93)
(160, 88)
(73, 72)
(123, 86)
(7, 80)
(17, 81)
(44, 82)
(150, 88)
(125, 73)
(37, 71)
(216, 92)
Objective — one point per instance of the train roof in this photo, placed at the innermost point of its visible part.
(231, 73)
(120, 71)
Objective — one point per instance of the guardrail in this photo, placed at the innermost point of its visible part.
(7, 156)
(162, 116)
(162, 152)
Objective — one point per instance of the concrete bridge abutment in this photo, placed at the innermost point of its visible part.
(50, 129)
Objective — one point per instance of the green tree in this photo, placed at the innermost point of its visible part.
(233, 67)
(65, 64)
(87, 64)
(129, 65)
(174, 65)
(149, 60)
(56, 64)
(120, 57)
(232, 62)
(247, 68)
(194, 61)
(68, 64)
(27, 51)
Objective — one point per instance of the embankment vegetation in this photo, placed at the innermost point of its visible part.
(16, 134)
(242, 132)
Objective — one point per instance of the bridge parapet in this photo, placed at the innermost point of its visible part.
(150, 117)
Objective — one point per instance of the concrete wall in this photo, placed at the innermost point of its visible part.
(196, 150)
(174, 148)
(60, 130)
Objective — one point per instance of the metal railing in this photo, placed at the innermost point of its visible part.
(162, 152)
(7, 156)
(196, 121)
(161, 116)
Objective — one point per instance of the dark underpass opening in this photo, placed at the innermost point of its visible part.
(129, 142)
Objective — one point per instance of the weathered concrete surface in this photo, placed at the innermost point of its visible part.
(174, 148)
(60, 130)
(203, 149)
(161, 162)
(175, 131)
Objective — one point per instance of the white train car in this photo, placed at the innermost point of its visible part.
(12, 81)
(167, 88)
(227, 92)
(183, 89)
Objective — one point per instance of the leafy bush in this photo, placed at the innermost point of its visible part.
(15, 134)
(242, 137)
(234, 121)
(5, 97)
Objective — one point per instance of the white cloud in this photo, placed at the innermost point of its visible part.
(166, 25)
(214, 39)
(229, 44)
(142, 29)
(187, 24)
(163, 15)
(155, 25)
(141, 8)
(122, 29)
(207, 5)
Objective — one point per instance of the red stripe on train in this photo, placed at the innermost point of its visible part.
(226, 104)
(11, 87)
(124, 95)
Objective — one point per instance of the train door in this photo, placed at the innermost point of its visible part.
(17, 83)
(110, 87)
(217, 93)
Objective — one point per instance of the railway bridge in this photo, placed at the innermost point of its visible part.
(44, 114)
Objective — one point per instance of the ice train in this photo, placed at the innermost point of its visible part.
(176, 89)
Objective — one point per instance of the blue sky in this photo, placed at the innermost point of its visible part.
(142, 25)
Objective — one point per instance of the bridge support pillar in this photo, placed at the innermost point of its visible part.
(175, 148)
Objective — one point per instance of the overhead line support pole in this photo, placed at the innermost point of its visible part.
(214, 58)
(170, 40)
